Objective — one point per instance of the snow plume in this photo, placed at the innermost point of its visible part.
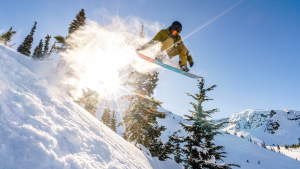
(101, 54)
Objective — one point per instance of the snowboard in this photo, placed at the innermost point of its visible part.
(167, 66)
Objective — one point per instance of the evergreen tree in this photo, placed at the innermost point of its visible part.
(106, 117)
(91, 104)
(76, 24)
(46, 47)
(199, 150)
(126, 120)
(6, 37)
(113, 122)
(142, 33)
(38, 53)
(140, 122)
(53, 48)
(62, 41)
(178, 154)
(263, 144)
(156, 146)
(25, 47)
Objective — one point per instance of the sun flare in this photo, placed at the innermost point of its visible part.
(102, 53)
(111, 85)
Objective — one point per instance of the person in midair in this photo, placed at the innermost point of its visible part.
(172, 44)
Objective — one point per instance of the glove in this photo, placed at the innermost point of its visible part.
(191, 64)
(184, 68)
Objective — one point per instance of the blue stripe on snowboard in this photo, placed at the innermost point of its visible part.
(176, 70)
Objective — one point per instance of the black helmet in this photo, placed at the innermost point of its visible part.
(176, 26)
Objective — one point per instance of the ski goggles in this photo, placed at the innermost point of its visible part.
(175, 32)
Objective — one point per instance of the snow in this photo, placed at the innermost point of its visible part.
(238, 149)
(41, 129)
(255, 124)
(293, 153)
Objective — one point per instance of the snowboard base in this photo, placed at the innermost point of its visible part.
(167, 66)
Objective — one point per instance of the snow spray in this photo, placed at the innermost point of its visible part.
(99, 52)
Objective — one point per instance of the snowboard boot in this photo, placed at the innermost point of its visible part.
(160, 57)
(184, 68)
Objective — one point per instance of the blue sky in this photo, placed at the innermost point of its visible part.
(252, 52)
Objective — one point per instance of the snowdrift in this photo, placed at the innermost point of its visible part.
(39, 129)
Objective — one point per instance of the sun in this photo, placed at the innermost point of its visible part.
(111, 84)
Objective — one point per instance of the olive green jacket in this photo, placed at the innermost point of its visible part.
(164, 34)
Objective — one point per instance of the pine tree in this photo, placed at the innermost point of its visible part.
(199, 150)
(6, 37)
(126, 120)
(178, 154)
(142, 33)
(76, 24)
(113, 122)
(62, 41)
(46, 48)
(263, 144)
(106, 117)
(91, 104)
(140, 118)
(25, 47)
(156, 146)
(38, 53)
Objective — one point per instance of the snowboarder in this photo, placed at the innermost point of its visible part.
(172, 44)
(258, 162)
(247, 161)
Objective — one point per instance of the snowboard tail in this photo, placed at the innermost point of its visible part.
(168, 66)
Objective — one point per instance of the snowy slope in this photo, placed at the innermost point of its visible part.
(39, 129)
(238, 149)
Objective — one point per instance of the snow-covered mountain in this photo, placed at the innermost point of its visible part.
(271, 126)
(41, 129)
